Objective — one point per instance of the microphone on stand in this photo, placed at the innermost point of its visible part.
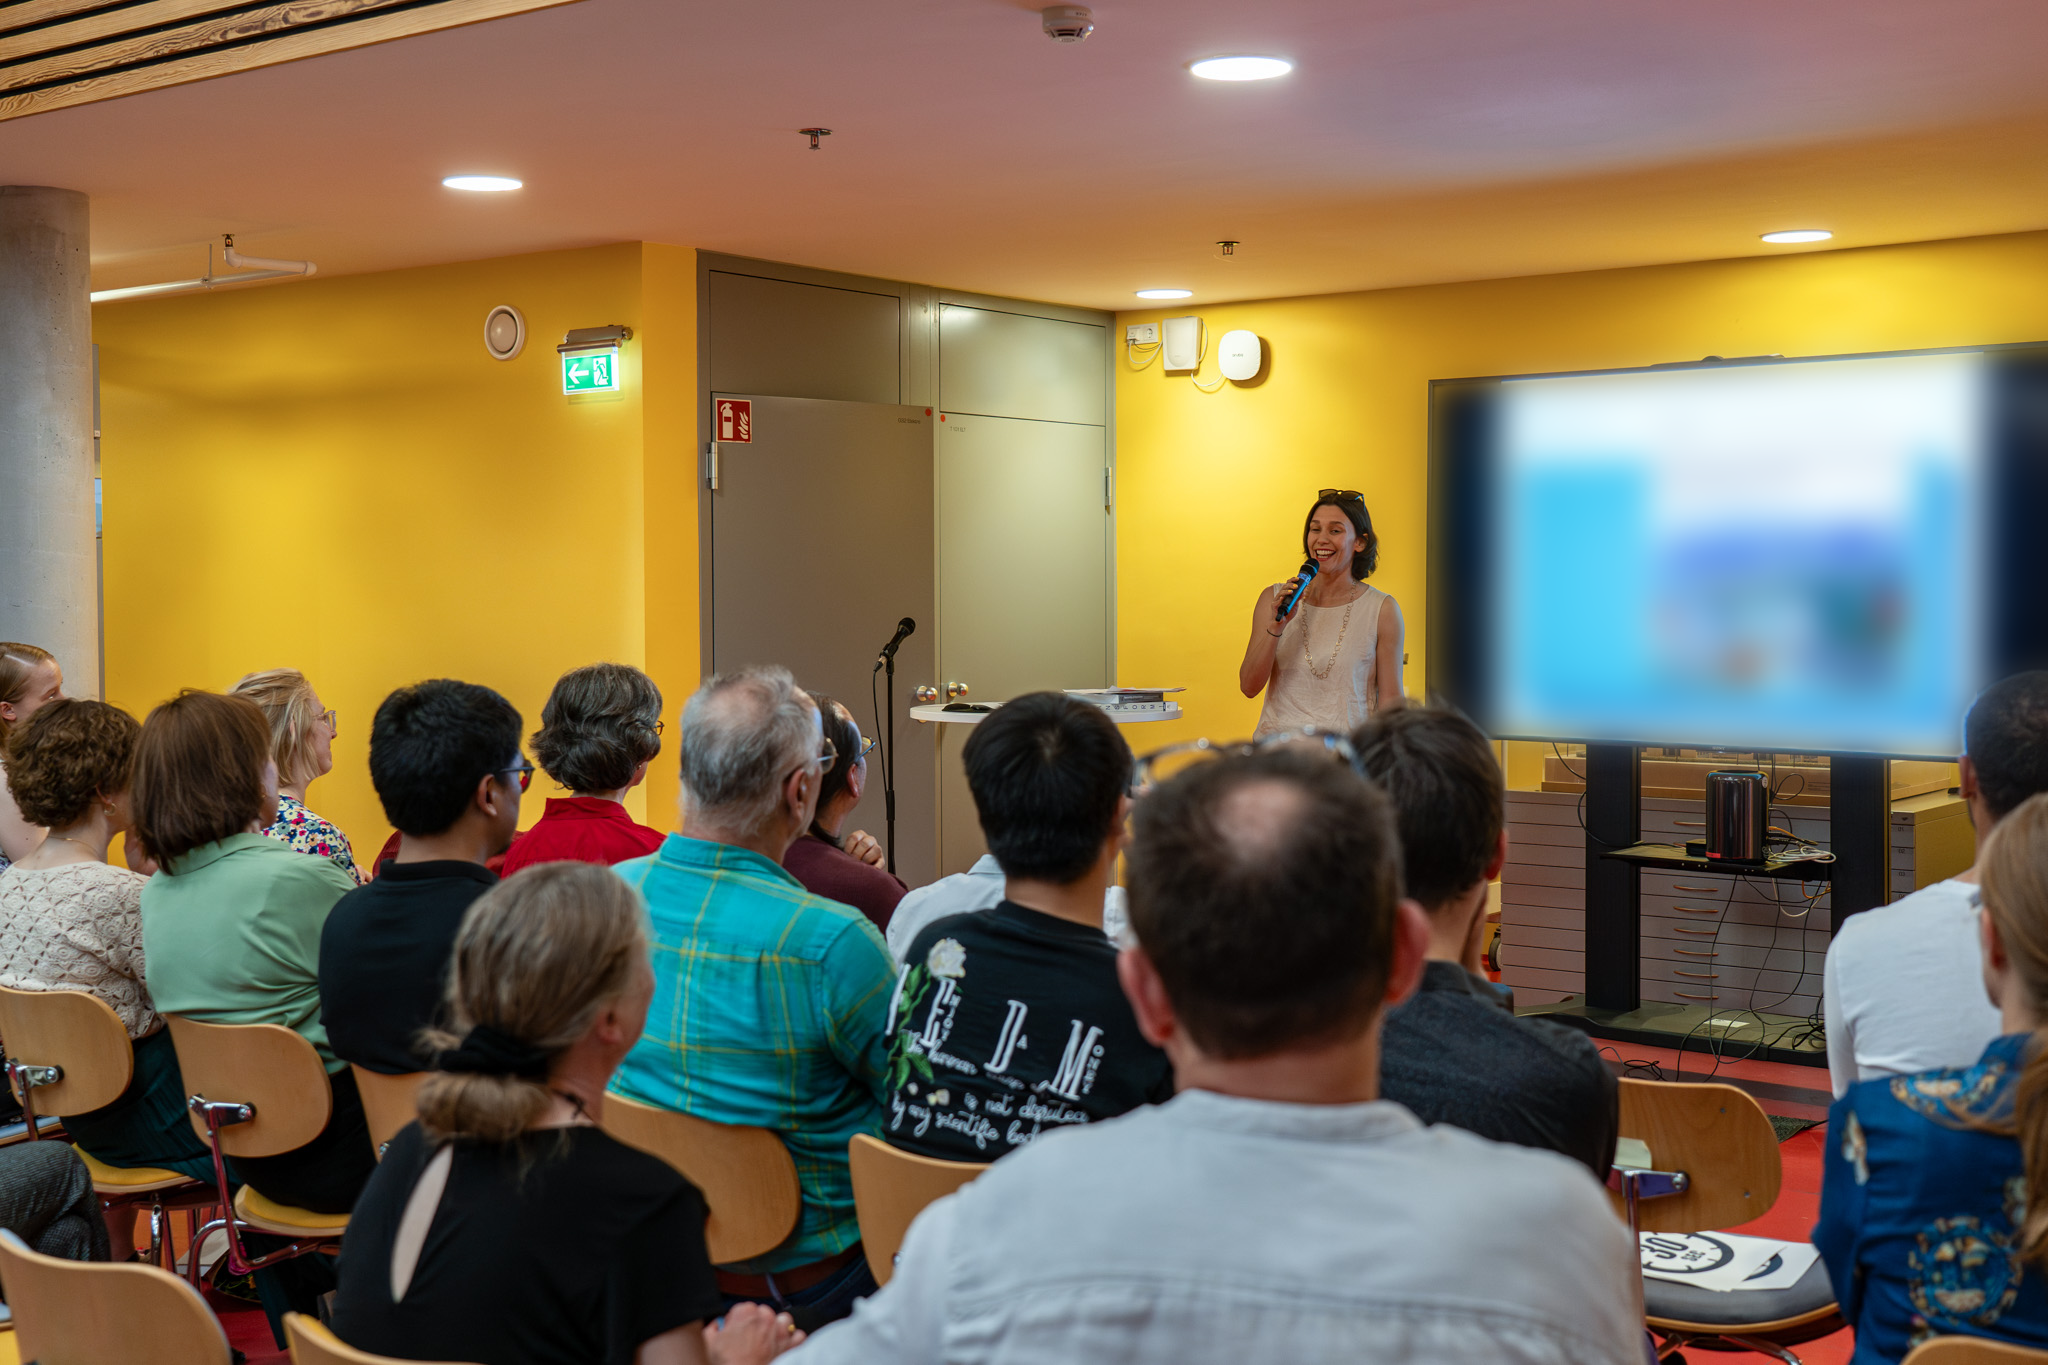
(903, 631)
(1308, 573)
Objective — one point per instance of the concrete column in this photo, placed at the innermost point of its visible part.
(49, 575)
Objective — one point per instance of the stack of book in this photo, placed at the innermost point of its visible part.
(1127, 701)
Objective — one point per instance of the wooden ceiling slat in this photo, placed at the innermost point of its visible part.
(22, 13)
(187, 38)
(288, 45)
(107, 24)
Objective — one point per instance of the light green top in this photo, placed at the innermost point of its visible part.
(234, 936)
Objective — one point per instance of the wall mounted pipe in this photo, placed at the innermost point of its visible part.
(267, 269)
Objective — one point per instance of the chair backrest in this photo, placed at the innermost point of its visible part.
(312, 1343)
(890, 1188)
(95, 1312)
(1719, 1137)
(1972, 1351)
(265, 1066)
(746, 1175)
(72, 1030)
(389, 1102)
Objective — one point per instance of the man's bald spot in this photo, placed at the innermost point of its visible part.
(1255, 819)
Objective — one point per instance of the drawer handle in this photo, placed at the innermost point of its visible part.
(1696, 910)
(1703, 976)
(1683, 996)
(1695, 890)
(1690, 824)
(1694, 952)
(1680, 928)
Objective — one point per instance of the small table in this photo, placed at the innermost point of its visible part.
(936, 714)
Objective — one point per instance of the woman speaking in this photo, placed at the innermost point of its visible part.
(1334, 657)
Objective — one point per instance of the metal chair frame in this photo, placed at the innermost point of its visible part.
(219, 1114)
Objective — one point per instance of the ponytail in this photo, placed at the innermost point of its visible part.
(2014, 870)
(537, 957)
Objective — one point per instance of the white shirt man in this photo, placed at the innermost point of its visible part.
(978, 888)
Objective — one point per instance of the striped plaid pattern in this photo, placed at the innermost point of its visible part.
(769, 1007)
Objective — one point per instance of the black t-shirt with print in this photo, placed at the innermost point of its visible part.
(1008, 1022)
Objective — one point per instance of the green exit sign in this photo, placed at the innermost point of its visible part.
(590, 372)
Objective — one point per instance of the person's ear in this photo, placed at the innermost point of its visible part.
(1966, 778)
(485, 798)
(1150, 1005)
(1411, 950)
(639, 774)
(1499, 858)
(794, 791)
(857, 780)
(1120, 828)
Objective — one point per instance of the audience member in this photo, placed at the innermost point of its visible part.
(1934, 1197)
(69, 922)
(600, 729)
(1455, 1052)
(47, 1200)
(29, 678)
(1274, 1209)
(769, 1001)
(1902, 988)
(1009, 1022)
(231, 924)
(444, 758)
(302, 742)
(848, 868)
(505, 1227)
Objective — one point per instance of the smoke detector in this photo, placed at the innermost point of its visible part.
(1067, 23)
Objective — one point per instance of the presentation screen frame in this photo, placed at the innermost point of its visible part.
(1465, 546)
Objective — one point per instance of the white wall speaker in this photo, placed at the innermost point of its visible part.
(504, 332)
(1238, 355)
(1180, 343)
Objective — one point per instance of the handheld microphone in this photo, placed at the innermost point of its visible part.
(1308, 573)
(903, 629)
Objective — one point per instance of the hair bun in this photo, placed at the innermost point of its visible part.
(490, 1052)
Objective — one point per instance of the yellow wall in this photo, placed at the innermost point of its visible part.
(1213, 488)
(333, 475)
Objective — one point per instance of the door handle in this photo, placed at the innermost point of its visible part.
(955, 691)
(925, 696)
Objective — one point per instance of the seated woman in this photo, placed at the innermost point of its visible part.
(302, 742)
(1934, 1206)
(845, 869)
(69, 922)
(505, 1227)
(231, 923)
(29, 678)
(598, 732)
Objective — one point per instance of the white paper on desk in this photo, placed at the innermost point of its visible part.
(1724, 1261)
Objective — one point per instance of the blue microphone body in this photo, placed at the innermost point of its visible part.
(1308, 573)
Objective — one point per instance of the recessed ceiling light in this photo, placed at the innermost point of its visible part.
(1166, 293)
(1797, 235)
(480, 182)
(1241, 68)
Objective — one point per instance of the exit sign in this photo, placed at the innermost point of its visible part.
(590, 372)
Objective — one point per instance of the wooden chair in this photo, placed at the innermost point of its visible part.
(67, 1052)
(746, 1175)
(1713, 1162)
(890, 1188)
(313, 1344)
(389, 1102)
(1972, 1351)
(96, 1312)
(257, 1090)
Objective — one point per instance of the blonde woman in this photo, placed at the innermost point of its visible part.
(1934, 1207)
(29, 680)
(506, 1227)
(302, 741)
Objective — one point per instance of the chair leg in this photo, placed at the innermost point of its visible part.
(158, 1238)
(1765, 1348)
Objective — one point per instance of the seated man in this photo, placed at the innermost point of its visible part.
(1010, 1021)
(1903, 989)
(1454, 1053)
(444, 758)
(769, 1001)
(1274, 1209)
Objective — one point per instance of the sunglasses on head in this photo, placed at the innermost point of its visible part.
(1339, 495)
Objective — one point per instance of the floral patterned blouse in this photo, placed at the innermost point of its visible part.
(306, 832)
(77, 928)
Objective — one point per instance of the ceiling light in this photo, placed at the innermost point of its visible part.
(1166, 293)
(480, 182)
(1241, 68)
(1797, 235)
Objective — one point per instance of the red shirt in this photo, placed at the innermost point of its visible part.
(581, 829)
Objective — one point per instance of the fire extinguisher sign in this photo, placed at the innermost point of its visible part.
(735, 419)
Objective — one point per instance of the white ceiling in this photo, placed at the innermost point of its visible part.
(1417, 140)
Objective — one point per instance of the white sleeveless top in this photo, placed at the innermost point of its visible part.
(1345, 695)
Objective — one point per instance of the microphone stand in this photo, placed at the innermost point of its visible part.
(889, 756)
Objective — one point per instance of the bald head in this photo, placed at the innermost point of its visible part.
(743, 733)
(1264, 891)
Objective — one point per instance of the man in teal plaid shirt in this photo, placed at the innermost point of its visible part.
(769, 1002)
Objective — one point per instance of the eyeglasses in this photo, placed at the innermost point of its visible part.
(1162, 765)
(333, 719)
(525, 771)
(825, 759)
(660, 725)
(867, 746)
